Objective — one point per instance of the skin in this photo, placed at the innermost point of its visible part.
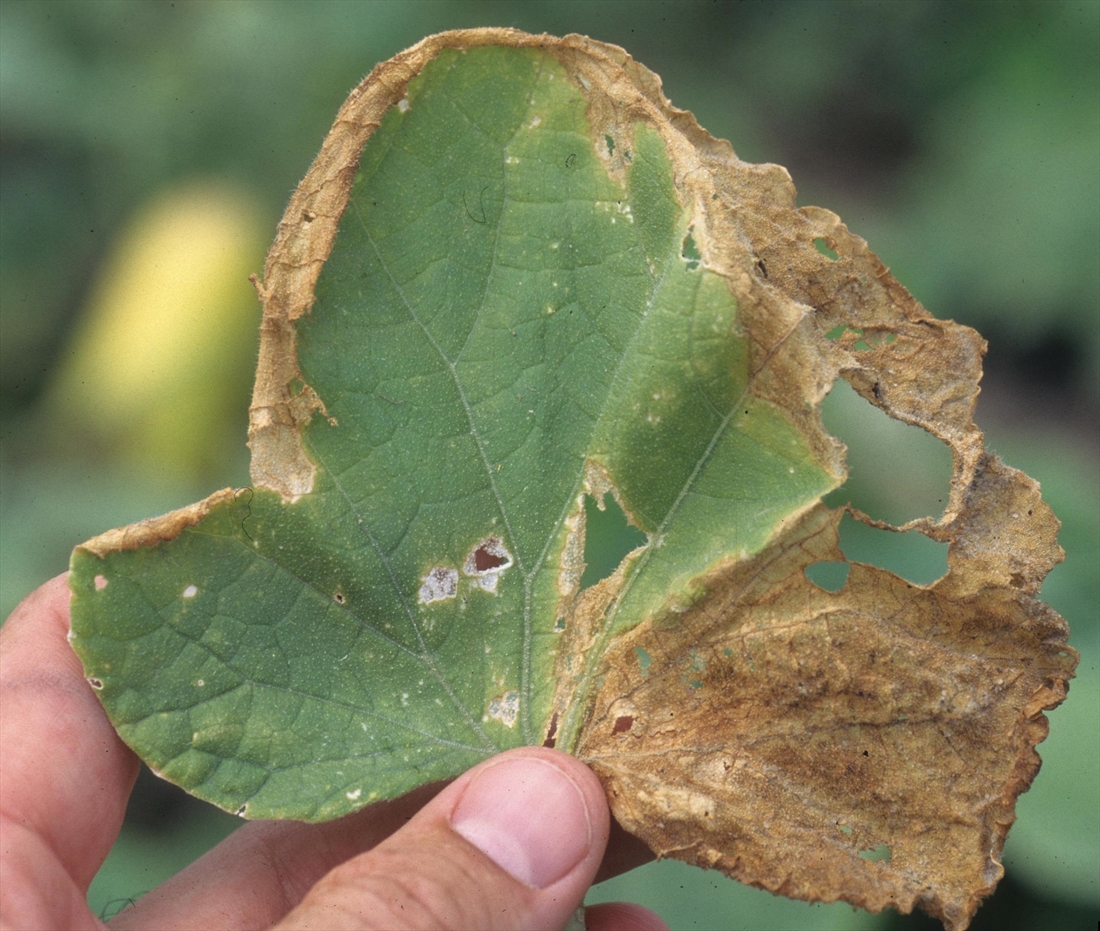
(513, 843)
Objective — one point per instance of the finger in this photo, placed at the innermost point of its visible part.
(514, 843)
(64, 774)
(255, 876)
(265, 868)
(621, 916)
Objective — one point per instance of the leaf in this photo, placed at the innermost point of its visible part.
(516, 281)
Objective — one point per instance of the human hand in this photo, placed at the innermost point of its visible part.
(513, 843)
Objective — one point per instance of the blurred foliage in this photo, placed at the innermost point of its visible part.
(147, 152)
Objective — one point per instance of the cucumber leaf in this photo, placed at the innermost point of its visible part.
(515, 284)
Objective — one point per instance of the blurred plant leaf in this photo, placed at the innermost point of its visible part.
(516, 279)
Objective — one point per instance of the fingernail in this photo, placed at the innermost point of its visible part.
(528, 817)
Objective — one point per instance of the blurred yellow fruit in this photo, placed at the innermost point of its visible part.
(157, 377)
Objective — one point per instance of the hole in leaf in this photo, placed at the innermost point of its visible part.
(643, 660)
(339, 598)
(551, 731)
(690, 252)
(911, 555)
(622, 724)
(485, 559)
(610, 145)
(823, 248)
(881, 852)
(608, 537)
(896, 472)
(96, 684)
(831, 576)
(100, 583)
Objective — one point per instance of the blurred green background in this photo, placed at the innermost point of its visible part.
(148, 150)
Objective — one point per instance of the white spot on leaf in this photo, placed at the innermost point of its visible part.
(190, 592)
(505, 709)
(440, 583)
(354, 795)
(403, 105)
(488, 582)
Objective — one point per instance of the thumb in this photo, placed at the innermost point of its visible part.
(513, 843)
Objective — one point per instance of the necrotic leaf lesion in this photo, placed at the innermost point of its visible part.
(486, 562)
(439, 584)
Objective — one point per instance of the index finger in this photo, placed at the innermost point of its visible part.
(65, 775)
